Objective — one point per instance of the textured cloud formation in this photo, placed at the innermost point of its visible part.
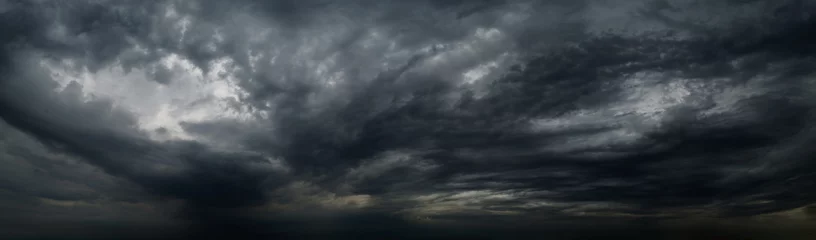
(280, 118)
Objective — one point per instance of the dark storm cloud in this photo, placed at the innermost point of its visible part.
(462, 112)
(704, 146)
(105, 137)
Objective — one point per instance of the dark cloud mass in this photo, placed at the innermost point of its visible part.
(205, 119)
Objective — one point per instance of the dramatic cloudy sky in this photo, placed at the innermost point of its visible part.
(326, 118)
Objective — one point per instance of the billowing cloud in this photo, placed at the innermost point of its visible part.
(266, 118)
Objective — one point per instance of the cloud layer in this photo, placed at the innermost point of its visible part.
(402, 115)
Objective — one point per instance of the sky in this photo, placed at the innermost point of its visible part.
(387, 119)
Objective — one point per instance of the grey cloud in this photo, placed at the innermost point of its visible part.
(106, 137)
(162, 74)
(454, 111)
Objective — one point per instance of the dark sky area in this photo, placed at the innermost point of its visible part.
(397, 119)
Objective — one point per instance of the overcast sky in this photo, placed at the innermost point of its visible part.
(424, 118)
